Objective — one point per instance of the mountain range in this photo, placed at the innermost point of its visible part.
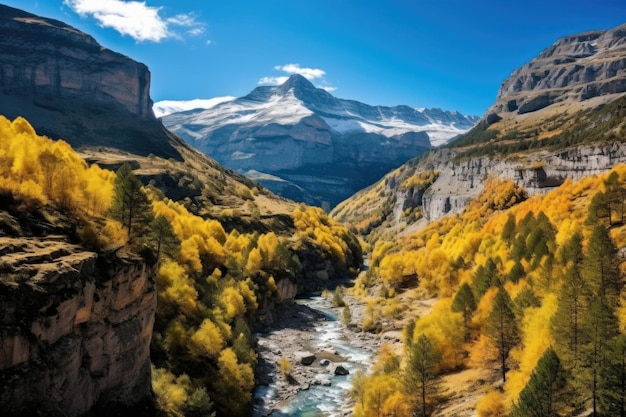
(305, 144)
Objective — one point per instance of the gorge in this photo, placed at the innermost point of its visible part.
(188, 307)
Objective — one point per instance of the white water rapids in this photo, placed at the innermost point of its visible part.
(324, 334)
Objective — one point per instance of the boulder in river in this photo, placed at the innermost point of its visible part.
(339, 370)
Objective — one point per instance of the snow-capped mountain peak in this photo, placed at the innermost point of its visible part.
(299, 132)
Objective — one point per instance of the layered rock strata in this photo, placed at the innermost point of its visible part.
(460, 181)
(75, 328)
(576, 67)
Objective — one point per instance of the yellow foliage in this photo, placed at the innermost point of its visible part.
(176, 290)
(484, 307)
(397, 404)
(43, 170)
(331, 236)
(237, 375)
(232, 302)
(285, 367)
(420, 180)
(377, 391)
(482, 353)
(114, 233)
(387, 361)
(492, 405)
(446, 331)
(170, 394)
(207, 341)
(449, 251)
(536, 338)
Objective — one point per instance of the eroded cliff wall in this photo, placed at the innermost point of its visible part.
(75, 328)
(69, 86)
(460, 181)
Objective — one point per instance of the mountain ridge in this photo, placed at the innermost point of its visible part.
(573, 136)
(304, 137)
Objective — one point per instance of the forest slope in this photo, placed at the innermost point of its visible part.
(526, 290)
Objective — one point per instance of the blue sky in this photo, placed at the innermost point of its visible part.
(451, 54)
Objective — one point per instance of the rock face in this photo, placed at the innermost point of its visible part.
(75, 329)
(71, 87)
(303, 143)
(460, 181)
(576, 67)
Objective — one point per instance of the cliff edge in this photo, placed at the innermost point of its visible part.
(75, 326)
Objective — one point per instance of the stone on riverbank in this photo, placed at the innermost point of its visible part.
(304, 357)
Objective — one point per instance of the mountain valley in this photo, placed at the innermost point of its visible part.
(478, 264)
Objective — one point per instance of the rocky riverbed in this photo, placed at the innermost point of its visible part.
(323, 354)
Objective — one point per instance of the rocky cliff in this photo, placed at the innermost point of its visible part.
(69, 86)
(461, 181)
(574, 68)
(75, 328)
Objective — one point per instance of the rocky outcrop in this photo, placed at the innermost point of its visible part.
(577, 67)
(75, 328)
(69, 86)
(460, 181)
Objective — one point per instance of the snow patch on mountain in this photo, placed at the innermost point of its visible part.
(290, 103)
(165, 107)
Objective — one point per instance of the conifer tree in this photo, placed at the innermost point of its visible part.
(566, 322)
(601, 330)
(130, 204)
(465, 303)
(600, 267)
(487, 276)
(608, 205)
(501, 328)
(162, 234)
(508, 230)
(541, 395)
(419, 374)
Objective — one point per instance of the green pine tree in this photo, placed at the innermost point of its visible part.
(163, 236)
(541, 395)
(487, 276)
(600, 267)
(501, 328)
(419, 374)
(465, 303)
(130, 204)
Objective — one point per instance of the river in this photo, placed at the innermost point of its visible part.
(313, 391)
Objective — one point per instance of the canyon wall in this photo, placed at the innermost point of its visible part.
(75, 328)
(461, 181)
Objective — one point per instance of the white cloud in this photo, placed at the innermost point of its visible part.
(273, 80)
(311, 74)
(136, 19)
(308, 73)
